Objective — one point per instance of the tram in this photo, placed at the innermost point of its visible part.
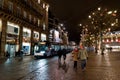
(43, 49)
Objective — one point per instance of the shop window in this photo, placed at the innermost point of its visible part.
(12, 30)
(10, 6)
(43, 37)
(26, 49)
(15, 30)
(1, 3)
(35, 35)
(26, 34)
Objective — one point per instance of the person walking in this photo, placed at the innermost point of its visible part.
(21, 54)
(83, 57)
(59, 52)
(7, 54)
(64, 52)
(75, 57)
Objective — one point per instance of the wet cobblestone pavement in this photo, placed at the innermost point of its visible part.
(99, 67)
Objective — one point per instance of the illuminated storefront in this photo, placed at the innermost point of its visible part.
(56, 40)
(36, 40)
(112, 40)
(51, 35)
(56, 36)
(36, 36)
(43, 37)
(26, 45)
(12, 39)
(18, 30)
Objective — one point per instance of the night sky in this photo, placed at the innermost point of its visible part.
(72, 12)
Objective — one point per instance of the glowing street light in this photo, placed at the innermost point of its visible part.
(80, 24)
(89, 17)
(99, 8)
(110, 12)
(115, 11)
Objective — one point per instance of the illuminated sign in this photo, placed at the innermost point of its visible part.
(56, 36)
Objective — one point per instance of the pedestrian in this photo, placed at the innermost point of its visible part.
(64, 54)
(75, 53)
(83, 57)
(7, 54)
(59, 52)
(21, 54)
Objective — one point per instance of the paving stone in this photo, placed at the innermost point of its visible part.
(99, 67)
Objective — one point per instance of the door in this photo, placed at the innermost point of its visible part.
(11, 50)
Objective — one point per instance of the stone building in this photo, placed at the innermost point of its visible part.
(22, 24)
(57, 34)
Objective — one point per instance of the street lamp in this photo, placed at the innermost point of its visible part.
(89, 16)
(80, 24)
(99, 8)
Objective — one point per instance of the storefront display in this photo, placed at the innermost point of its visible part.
(36, 40)
(43, 37)
(36, 36)
(26, 45)
(56, 36)
(12, 39)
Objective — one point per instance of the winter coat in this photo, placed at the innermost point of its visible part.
(75, 55)
(83, 54)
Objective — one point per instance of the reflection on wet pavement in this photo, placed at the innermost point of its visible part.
(99, 67)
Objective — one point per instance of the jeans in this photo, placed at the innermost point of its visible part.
(83, 63)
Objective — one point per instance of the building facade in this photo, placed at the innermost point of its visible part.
(112, 40)
(22, 24)
(57, 34)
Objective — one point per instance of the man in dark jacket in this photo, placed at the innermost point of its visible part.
(64, 54)
(21, 54)
(59, 52)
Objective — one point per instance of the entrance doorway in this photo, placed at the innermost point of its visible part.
(10, 48)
